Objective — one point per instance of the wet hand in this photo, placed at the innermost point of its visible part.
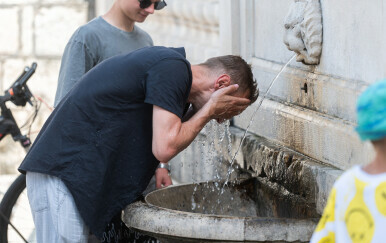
(162, 178)
(225, 105)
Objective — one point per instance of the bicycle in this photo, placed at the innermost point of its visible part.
(19, 94)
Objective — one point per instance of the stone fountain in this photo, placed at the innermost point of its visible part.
(280, 196)
(251, 210)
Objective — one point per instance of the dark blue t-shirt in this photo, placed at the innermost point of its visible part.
(98, 140)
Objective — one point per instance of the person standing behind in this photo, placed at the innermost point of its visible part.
(105, 36)
(356, 208)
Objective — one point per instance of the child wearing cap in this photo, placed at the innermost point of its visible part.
(356, 208)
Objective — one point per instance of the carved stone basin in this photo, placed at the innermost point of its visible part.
(253, 210)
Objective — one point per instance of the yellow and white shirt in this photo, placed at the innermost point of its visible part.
(355, 211)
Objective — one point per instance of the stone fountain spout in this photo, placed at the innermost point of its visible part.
(304, 30)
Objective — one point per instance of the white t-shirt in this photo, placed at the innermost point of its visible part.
(355, 211)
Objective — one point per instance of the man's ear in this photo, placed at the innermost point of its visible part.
(222, 82)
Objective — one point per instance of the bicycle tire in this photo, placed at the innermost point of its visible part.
(8, 203)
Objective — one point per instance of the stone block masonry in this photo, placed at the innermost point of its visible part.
(39, 28)
(50, 38)
(34, 31)
(9, 40)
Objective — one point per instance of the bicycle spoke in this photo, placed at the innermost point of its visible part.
(18, 226)
(14, 228)
(21, 216)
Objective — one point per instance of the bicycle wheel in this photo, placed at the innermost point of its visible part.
(15, 208)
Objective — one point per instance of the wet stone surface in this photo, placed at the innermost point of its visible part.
(255, 197)
(252, 210)
(297, 173)
(147, 237)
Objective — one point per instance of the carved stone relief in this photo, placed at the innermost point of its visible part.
(304, 30)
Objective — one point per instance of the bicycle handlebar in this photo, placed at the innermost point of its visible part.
(19, 92)
(27, 73)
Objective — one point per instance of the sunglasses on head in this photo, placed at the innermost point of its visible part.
(157, 5)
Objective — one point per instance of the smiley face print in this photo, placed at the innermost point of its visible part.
(358, 219)
(330, 238)
(380, 198)
(360, 225)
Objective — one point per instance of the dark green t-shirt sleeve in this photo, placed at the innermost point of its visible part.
(168, 85)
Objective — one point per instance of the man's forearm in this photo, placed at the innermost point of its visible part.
(192, 127)
(170, 136)
(176, 136)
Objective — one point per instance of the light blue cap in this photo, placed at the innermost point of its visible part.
(371, 112)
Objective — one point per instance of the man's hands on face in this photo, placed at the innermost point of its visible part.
(162, 178)
(171, 135)
(224, 105)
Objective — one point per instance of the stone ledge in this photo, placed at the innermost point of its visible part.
(299, 174)
(326, 94)
(324, 138)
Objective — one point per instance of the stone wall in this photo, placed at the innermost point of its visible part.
(191, 24)
(310, 110)
(320, 122)
(34, 31)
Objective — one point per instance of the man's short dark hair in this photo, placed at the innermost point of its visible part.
(239, 71)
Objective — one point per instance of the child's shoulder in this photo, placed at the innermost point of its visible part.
(357, 173)
(348, 176)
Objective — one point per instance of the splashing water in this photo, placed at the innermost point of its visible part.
(251, 120)
(217, 139)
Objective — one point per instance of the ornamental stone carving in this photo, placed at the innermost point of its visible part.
(304, 30)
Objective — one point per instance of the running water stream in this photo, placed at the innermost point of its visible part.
(217, 135)
(251, 120)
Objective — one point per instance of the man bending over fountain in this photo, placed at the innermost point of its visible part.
(100, 147)
(356, 209)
